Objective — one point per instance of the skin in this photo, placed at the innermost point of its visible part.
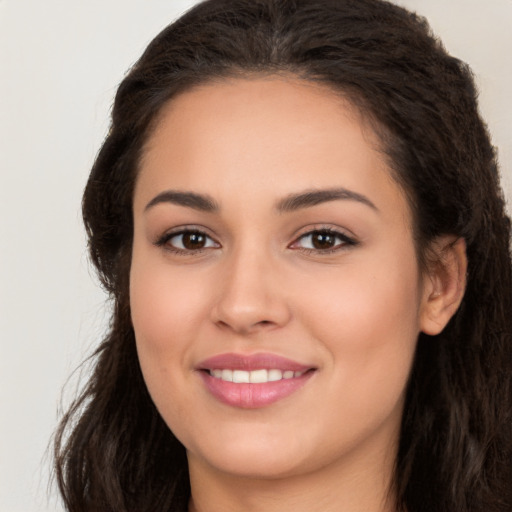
(352, 313)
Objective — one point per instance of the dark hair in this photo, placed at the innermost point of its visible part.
(113, 450)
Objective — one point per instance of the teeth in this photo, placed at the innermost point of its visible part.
(274, 375)
(254, 376)
(227, 375)
(258, 376)
(239, 376)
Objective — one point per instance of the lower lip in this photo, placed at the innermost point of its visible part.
(253, 396)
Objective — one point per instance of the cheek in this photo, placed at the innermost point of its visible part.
(164, 305)
(368, 321)
(372, 300)
(165, 318)
(165, 310)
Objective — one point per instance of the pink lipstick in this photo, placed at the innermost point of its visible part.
(253, 381)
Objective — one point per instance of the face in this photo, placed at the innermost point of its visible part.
(275, 291)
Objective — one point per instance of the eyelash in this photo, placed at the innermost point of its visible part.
(345, 241)
(164, 240)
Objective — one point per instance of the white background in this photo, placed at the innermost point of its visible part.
(60, 63)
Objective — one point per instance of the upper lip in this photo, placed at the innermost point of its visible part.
(235, 361)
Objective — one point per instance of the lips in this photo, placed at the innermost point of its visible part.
(254, 381)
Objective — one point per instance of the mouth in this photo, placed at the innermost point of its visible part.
(251, 382)
(255, 376)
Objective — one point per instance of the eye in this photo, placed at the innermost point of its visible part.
(323, 240)
(186, 241)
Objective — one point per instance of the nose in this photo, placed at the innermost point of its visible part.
(251, 295)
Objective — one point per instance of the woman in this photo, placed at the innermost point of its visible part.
(297, 214)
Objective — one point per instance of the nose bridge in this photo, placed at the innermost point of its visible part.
(249, 295)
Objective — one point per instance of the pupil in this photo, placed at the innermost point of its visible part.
(193, 240)
(323, 241)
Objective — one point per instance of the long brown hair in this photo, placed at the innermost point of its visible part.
(113, 451)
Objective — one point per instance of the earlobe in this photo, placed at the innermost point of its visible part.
(445, 283)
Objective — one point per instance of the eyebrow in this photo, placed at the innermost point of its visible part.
(200, 202)
(310, 198)
(290, 203)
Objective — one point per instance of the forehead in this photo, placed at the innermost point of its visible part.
(271, 101)
(274, 134)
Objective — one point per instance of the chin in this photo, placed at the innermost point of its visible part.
(259, 457)
(264, 466)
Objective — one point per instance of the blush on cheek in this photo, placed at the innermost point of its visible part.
(159, 305)
(366, 315)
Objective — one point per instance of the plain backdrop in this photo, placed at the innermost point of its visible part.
(60, 63)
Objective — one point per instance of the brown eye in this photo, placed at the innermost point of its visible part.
(193, 241)
(188, 241)
(323, 240)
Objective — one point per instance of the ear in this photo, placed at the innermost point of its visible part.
(444, 283)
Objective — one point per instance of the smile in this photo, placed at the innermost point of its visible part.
(255, 376)
(253, 381)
